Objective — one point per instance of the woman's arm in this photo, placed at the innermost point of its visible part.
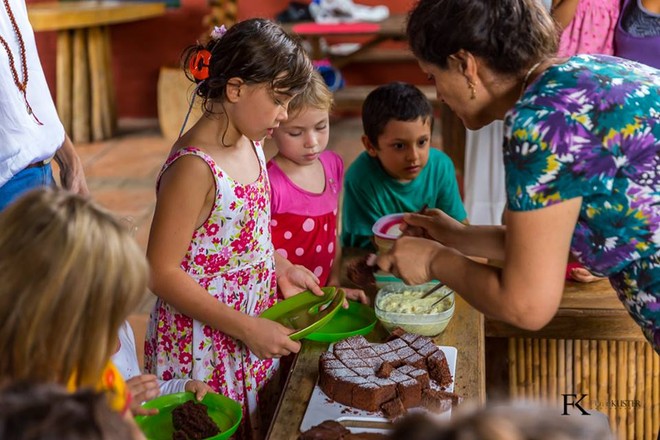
(526, 292)
(72, 175)
(477, 241)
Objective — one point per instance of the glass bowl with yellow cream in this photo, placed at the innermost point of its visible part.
(400, 305)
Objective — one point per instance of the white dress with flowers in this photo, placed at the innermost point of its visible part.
(232, 257)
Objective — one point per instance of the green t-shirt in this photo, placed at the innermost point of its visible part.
(370, 193)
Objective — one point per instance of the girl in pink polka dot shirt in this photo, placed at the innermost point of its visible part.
(588, 26)
(305, 185)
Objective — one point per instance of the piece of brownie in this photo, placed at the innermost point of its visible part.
(438, 369)
(395, 333)
(192, 418)
(179, 435)
(438, 401)
(385, 370)
(369, 396)
(328, 430)
(393, 408)
(410, 392)
(360, 273)
(421, 376)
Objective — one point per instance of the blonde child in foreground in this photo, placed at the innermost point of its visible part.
(213, 264)
(305, 182)
(71, 273)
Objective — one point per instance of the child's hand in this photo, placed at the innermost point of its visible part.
(297, 278)
(268, 339)
(355, 295)
(199, 388)
(583, 275)
(143, 388)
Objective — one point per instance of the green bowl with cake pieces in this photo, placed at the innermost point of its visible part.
(357, 319)
(306, 312)
(225, 413)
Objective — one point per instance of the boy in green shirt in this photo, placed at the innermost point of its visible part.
(399, 171)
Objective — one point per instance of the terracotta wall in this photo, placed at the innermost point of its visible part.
(139, 49)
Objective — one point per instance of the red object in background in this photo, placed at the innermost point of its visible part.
(570, 266)
(338, 28)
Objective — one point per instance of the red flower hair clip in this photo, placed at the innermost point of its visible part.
(199, 64)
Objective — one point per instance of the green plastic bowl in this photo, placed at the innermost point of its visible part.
(358, 319)
(225, 412)
(303, 303)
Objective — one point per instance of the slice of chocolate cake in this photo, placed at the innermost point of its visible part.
(438, 369)
(193, 420)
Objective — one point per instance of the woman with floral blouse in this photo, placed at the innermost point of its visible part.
(582, 157)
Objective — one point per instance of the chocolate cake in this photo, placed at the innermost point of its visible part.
(361, 273)
(191, 422)
(391, 376)
(331, 430)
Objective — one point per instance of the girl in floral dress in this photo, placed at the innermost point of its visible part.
(213, 265)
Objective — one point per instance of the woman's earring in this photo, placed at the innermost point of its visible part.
(473, 90)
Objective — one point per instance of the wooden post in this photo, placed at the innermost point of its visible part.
(553, 391)
(64, 77)
(98, 80)
(81, 99)
(613, 373)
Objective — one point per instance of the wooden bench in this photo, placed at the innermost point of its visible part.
(85, 88)
(352, 97)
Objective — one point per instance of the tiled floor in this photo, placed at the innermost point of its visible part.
(121, 172)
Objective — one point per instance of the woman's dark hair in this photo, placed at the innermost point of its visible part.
(397, 101)
(257, 51)
(510, 35)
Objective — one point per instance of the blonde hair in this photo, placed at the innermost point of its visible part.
(315, 95)
(71, 273)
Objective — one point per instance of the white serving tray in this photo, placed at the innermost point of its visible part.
(322, 408)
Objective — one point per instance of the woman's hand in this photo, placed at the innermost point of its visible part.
(268, 339)
(143, 388)
(411, 259)
(199, 388)
(296, 278)
(433, 224)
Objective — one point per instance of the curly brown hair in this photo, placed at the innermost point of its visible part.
(257, 51)
(510, 35)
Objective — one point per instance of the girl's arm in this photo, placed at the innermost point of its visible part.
(526, 292)
(186, 193)
(335, 277)
(563, 11)
(294, 278)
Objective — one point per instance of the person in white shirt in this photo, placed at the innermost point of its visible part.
(144, 387)
(31, 133)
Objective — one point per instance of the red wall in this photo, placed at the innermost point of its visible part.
(139, 49)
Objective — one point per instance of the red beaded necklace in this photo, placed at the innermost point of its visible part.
(22, 85)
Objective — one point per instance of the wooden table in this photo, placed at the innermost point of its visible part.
(592, 346)
(85, 91)
(465, 332)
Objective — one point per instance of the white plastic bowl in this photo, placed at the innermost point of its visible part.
(398, 305)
